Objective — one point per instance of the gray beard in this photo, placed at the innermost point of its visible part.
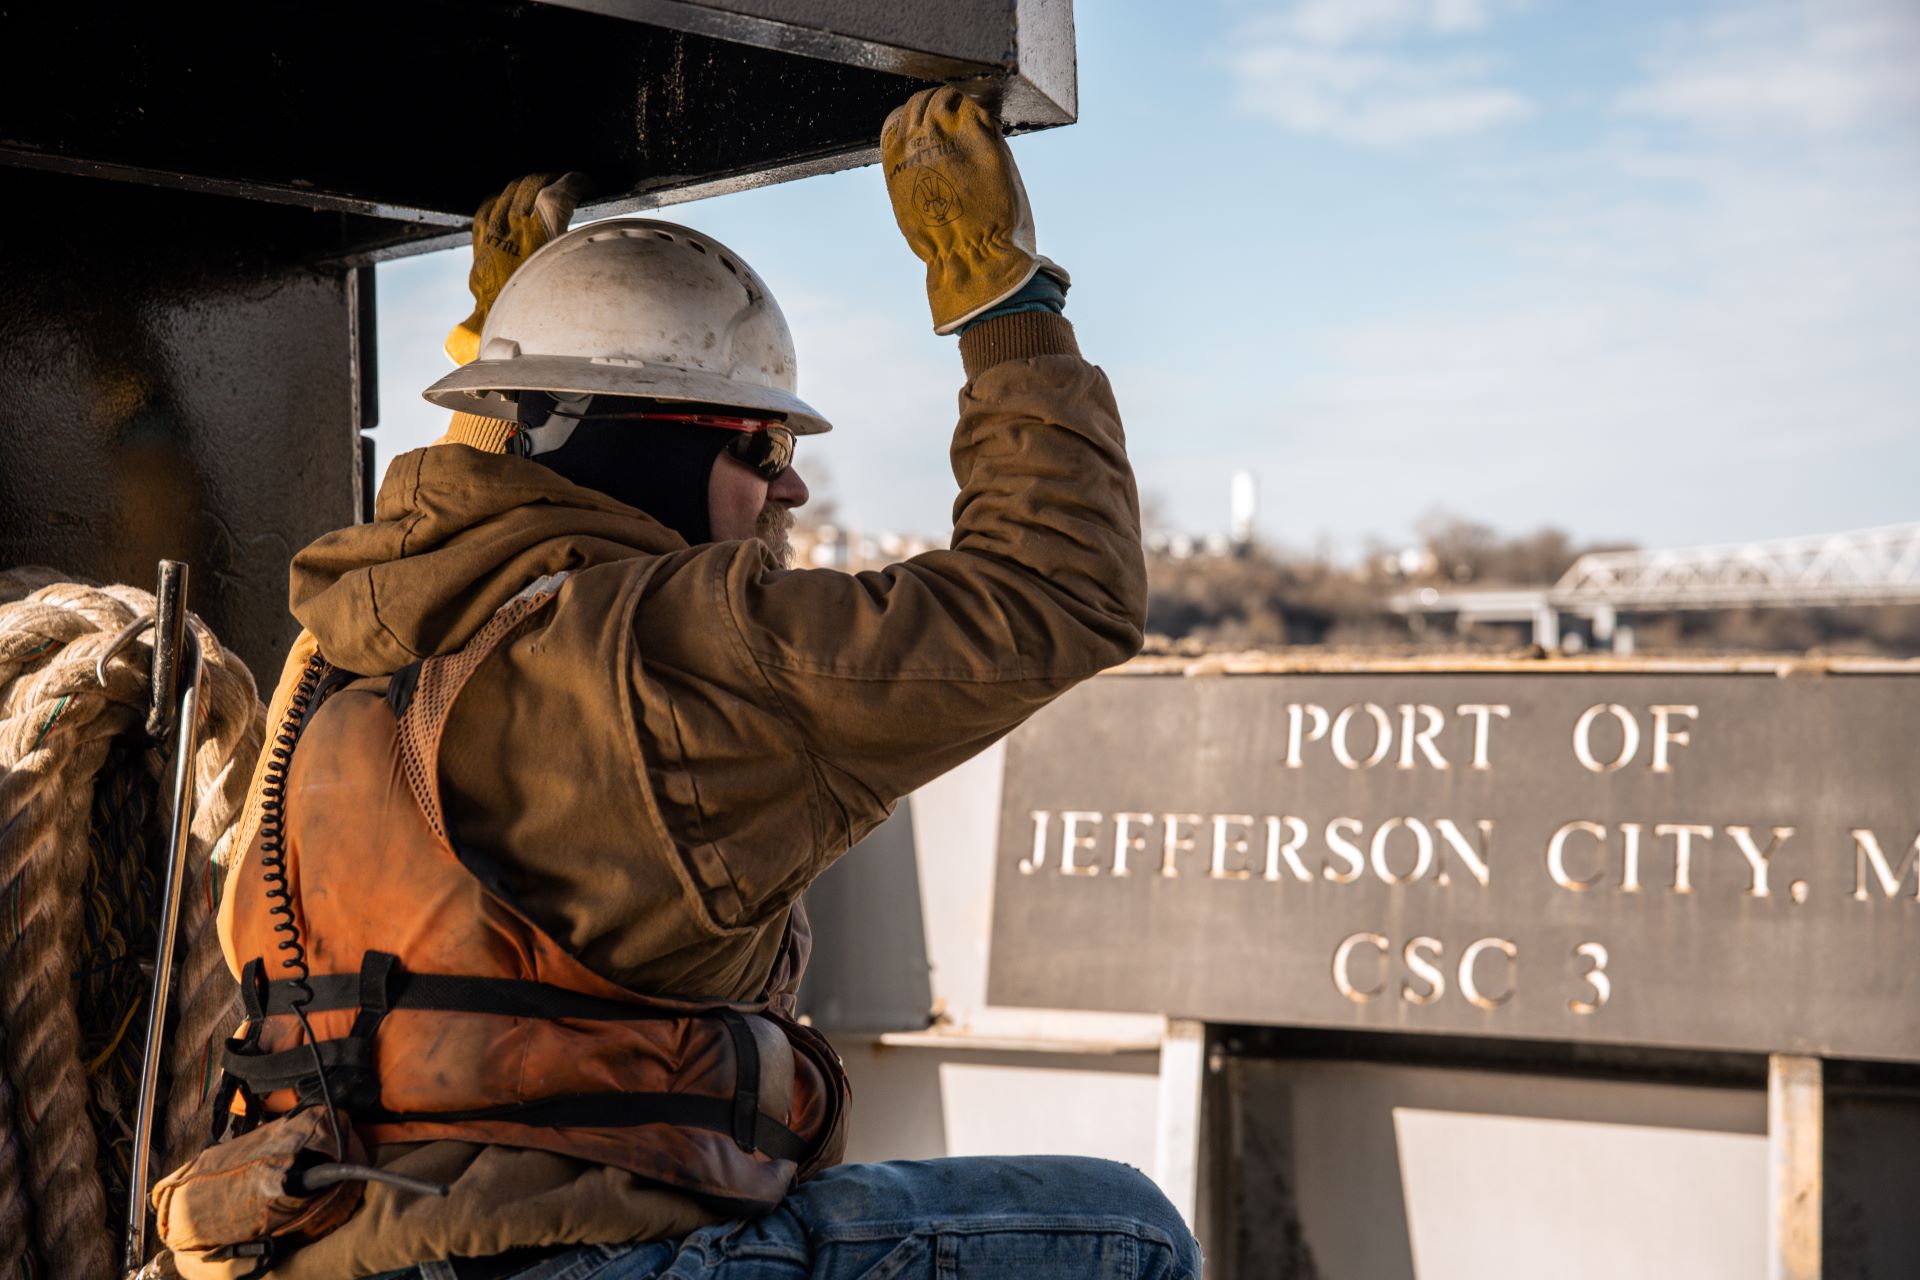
(771, 529)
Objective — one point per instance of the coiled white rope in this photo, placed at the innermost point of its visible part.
(57, 723)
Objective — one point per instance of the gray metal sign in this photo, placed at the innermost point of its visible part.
(1710, 858)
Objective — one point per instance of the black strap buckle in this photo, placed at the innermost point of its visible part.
(357, 1088)
(349, 1062)
(376, 991)
(253, 995)
(253, 998)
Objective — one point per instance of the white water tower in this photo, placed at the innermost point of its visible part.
(1246, 497)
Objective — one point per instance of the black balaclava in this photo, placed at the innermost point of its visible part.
(662, 468)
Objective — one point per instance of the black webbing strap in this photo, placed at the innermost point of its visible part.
(375, 996)
(618, 1111)
(357, 1087)
(401, 686)
(382, 986)
(348, 1060)
(253, 989)
(253, 998)
(287, 1069)
(449, 993)
(331, 682)
(746, 1083)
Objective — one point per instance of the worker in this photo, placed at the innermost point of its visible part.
(519, 923)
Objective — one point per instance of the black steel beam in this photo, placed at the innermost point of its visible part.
(403, 118)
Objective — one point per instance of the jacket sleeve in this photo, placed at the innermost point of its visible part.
(893, 677)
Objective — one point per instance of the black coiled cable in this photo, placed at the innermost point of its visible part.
(293, 958)
(273, 870)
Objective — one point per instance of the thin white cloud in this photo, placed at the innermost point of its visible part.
(1736, 363)
(1809, 66)
(1361, 71)
(1464, 15)
(1334, 23)
(1695, 333)
(1376, 99)
(1699, 328)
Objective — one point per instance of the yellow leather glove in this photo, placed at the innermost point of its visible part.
(509, 227)
(960, 203)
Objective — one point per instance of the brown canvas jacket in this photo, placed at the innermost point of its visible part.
(675, 749)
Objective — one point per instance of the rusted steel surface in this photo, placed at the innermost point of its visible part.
(175, 383)
(1020, 51)
(1710, 859)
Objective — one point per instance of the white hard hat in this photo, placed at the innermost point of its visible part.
(634, 307)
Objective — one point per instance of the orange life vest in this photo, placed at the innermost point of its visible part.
(441, 1011)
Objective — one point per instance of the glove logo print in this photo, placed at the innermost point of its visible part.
(934, 199)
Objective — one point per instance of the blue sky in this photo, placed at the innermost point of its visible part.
(1642, 270)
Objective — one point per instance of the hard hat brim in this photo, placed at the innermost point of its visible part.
(477, 387)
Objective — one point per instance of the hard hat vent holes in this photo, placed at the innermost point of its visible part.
(697, 246)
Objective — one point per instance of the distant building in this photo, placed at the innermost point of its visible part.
(1244, 504)
(828, 546)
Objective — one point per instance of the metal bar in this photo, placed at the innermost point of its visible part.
(363, 348)
(881, 36)
(169, 641)
(1866, 566)
(1176, 1157)
(651, 194)
(965, 1040)
(1016, 55)
(658, 193)
(1795, 1149)
(243, 188)
(187, 724)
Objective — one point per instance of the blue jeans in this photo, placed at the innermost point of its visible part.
(966, 1218)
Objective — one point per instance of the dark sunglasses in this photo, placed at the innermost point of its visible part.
(766, 451)
(762, 445)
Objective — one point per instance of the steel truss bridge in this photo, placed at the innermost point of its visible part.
(1868, 567)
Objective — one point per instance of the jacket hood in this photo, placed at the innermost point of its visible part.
(456, 534)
